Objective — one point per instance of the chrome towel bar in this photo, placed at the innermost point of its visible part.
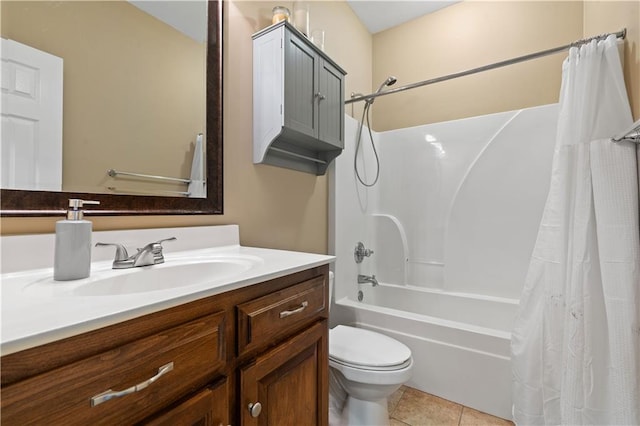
(115, 173)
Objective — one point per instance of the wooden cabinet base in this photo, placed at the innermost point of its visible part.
(211, 344)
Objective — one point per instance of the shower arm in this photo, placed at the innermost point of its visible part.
(620, 34)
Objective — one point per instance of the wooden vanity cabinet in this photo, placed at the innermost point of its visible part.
(287, 381)
(263, 343)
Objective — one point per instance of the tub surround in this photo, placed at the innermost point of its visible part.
(451, 250)
(36, 310)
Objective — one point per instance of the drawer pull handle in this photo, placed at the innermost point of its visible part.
(297, 310)
(110, 394)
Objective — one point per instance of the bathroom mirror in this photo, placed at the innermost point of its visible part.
(19, 202)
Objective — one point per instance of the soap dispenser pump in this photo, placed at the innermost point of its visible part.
(72, 256)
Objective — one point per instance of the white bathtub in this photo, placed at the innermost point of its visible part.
(461, 348)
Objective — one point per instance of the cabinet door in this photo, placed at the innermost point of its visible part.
(209, 407)
(331, 105)
(300, 86)
(290, 382)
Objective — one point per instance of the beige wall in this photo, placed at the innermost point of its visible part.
(287, 209)
(455, 39)
(468, 35)
(274, 207)
(134, 96)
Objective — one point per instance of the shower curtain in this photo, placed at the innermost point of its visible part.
(575, 345)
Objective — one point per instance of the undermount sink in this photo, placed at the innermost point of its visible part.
(165, 276)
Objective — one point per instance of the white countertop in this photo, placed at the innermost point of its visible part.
(37, 310)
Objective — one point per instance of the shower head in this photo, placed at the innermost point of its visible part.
(390, 81)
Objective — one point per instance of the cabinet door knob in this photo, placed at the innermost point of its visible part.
(255, 409)
(320, 96)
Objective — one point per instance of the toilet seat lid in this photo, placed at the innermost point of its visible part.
(360, 347)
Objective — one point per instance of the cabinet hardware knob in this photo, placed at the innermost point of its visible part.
(110, 394)
(320, 96)
(255, 409)
(297, 310)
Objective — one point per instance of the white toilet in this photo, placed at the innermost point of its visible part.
(365, 368)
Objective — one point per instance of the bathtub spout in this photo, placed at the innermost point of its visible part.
(363, 279)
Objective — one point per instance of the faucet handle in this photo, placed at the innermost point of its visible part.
(155, 250)
(121, 251)
(361, 252)
(166, 239)
(156, 247)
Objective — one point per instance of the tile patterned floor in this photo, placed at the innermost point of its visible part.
(411, 407)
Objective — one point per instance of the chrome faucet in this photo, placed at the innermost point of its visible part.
(151, 254)
(363, 279)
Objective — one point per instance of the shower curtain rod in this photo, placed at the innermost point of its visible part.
(620, 34)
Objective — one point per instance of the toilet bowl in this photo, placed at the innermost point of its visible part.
(365, 368)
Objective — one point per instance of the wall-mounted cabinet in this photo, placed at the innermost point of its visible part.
(298, 107)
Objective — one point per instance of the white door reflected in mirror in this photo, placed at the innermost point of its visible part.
(31, 118)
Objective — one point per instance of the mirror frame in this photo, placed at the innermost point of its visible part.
(15, 202)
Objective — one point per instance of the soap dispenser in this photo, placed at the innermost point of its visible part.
(72, 256)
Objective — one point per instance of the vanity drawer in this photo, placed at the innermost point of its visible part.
(261, 320)
(179, 359)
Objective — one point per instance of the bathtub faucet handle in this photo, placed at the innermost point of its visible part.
(361, 252)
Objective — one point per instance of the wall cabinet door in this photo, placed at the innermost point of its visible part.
(301, 66)
(313, 92)
(290, 382)
(331, 104)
